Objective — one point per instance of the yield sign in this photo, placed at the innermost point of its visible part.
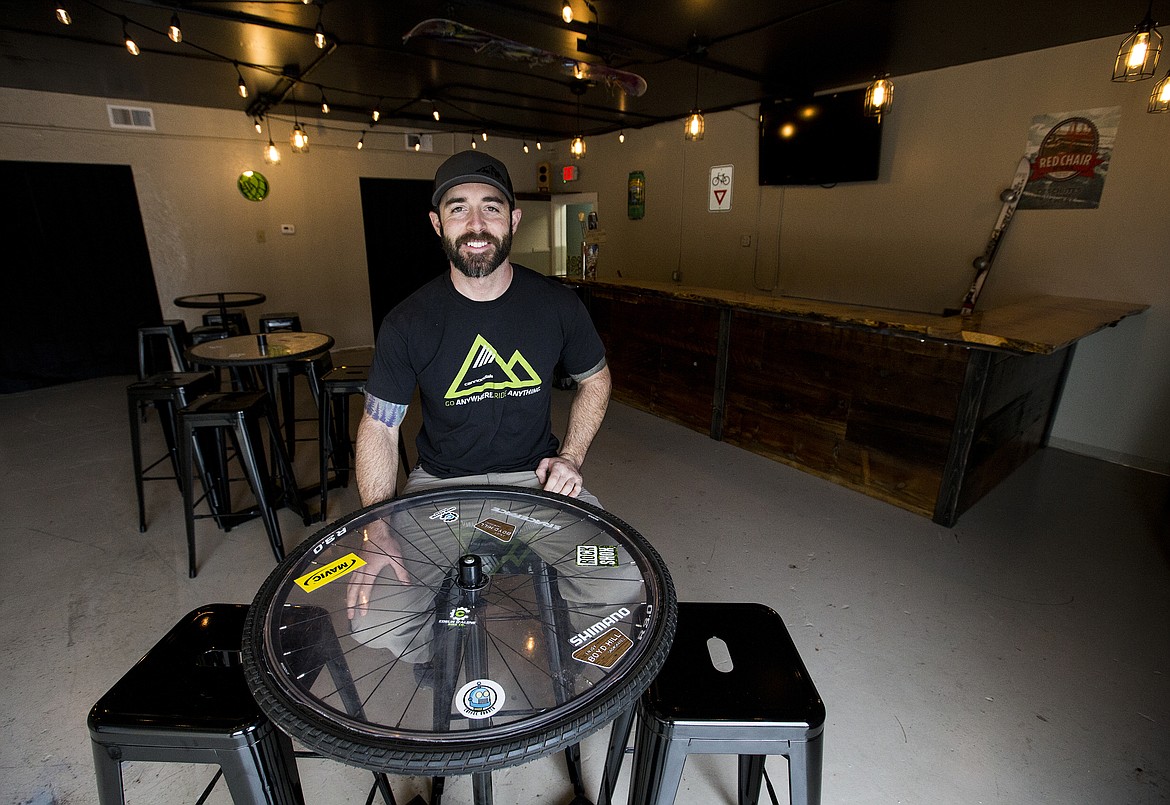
(719, 188)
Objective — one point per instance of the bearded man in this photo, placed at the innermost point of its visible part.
(480, 343)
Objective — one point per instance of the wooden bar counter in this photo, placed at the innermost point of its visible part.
(925, 412)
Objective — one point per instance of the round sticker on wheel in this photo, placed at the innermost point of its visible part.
(480, 698)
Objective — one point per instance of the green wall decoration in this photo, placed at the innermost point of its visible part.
(253, 186)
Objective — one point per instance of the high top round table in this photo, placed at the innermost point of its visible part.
(266, 351)
(221, 300)
(519, 622)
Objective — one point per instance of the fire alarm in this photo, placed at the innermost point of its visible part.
(569, 173)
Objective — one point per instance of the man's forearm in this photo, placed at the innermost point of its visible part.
(377, 461)
(585, 415)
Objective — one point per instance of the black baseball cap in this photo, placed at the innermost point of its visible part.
(472, 166)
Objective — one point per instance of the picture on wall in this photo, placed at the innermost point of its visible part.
(1070, 153)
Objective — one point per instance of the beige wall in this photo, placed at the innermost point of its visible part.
(906, 241)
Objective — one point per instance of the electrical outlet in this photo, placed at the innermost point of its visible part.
(676, 276)
(288, 229)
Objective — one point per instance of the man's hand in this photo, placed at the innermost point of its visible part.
(381, 550)
(560, 475)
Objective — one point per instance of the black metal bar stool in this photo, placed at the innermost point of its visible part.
(733, 683)
(186, 701)
(236, 321)
(174, 339)
(167, 392)
(336, 447)
(313, 369)
(239, 413)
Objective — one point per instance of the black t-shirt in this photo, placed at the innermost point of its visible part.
(484, 370)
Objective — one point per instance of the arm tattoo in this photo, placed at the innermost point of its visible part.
(388, 413)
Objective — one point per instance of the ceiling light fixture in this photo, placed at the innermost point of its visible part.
(63, 15)
(174, 32)
(566, 12)
(879, 97)
(241, 87)
(1137, 58)
(695, 124)
(271, 153)
(1160, 97)
(577, 146)
(131, 45)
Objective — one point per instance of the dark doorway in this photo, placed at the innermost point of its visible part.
(402, 250)
(77, 280)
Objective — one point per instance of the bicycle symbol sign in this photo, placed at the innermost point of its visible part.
(719, 190)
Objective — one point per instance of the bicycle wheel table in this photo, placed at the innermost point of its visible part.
(518, 622)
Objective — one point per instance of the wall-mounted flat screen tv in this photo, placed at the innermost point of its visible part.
(820, 141)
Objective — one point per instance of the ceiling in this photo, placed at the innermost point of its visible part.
(716, 53)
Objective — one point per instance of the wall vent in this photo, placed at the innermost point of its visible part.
(425, 142)
(131, 117)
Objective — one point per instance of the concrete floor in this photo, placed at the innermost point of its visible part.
(1019, 657)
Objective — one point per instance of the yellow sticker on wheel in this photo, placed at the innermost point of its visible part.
(330, 572)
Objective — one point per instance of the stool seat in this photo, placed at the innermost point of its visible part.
(187, 701)
(733, 683)
(174, 334)
(273, 322)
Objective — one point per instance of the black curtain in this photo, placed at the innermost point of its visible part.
(77, 276)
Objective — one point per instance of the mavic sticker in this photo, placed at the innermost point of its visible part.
(330, 572)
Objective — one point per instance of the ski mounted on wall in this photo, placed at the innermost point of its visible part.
(1010, 198)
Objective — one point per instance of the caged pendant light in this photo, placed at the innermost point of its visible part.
(1137, 58)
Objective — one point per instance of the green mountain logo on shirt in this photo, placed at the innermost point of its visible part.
(483, 370)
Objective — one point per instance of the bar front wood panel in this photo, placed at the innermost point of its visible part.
(872, 412)
(927, 425)
(664, 353)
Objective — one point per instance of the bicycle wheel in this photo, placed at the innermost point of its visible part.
(511, 623)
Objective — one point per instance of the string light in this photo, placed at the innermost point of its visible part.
(1160, 97)
(256, 123)
(376, 115)
(577, 147)
(538, 145)
(473, 142)
(434, 111)
(324, 103)
(319, 34)
(566, 12)
(525, 147)
(361, 141)
(271, 153)
(695, 123)
(174, 32)
(63, 15)
(241, 87)
(484, 135)
(131, 45)
(621, 137)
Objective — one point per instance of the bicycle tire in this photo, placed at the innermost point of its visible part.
(595, 695)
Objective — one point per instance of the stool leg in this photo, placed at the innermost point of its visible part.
(283, 464)
(136, 450)
(805, 760)
(288, 412)
(751, 774)
(250, 447)
(264, 773)
(185, 449)
(108, 772)
(324, 450)
(658, 764)
(619, 736)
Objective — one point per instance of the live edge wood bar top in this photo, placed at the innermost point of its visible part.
(923, 411)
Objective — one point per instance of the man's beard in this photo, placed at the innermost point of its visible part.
(478, 265)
